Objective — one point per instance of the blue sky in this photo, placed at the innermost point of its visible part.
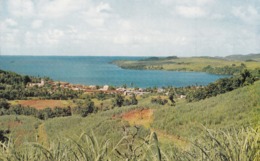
(130, 27)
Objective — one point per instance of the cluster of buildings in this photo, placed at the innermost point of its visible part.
(131, 91)
(94, 88)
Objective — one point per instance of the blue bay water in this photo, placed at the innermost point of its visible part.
(99, 71)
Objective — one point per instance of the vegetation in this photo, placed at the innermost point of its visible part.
(201, 64)
(119, 101)
(3, 138)
(221, 86)
(13, 86)
(85, 109)
(235, 109)
(219, 146)
(252, 57)
(159, 101)
(229, 70)
(216, 122)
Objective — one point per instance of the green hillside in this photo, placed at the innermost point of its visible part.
(239, 108)
(249, 57)
(199, 64)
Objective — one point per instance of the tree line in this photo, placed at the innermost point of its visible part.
(221, 86)
(120, 100)
(229, 70)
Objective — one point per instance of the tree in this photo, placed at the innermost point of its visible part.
(171, 97)
(3, 138)
(101, 96)
(26, 79)
(119, 100)
(159, 101)
(4, 104)
(88, 107)
(247, 77)
(134, 101)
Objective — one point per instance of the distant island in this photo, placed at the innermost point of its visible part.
(230, 65)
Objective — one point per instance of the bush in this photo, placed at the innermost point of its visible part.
(159, 101)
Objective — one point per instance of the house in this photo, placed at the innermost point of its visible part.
(105, 88)
(37, 84)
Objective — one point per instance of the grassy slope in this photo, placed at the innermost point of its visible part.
(103, 124)
(235, 109)
(23, 128)
(186, 64)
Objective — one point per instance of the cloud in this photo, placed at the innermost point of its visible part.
(183, 27)
(21, 8)
(43, 39)
(248, 14)
(96, 15)
(191, 12)
(60, 8)
(10, 22)
(188, 2)
(36, 24)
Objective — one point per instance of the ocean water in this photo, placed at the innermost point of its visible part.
(89, 70)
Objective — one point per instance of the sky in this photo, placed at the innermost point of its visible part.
(129, 27)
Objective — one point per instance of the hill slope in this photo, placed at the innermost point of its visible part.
(236, 109)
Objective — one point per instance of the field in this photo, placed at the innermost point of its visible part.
(41, 104)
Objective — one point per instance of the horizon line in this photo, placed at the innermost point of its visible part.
(127, 55)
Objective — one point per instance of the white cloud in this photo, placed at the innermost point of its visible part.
(96, 15)
(248, 14)
(47, 38)
(204, 2)
(188, 2)
(52, 36)
(20, 8)
(189, 27)
(217, 16)
(191, 12)
(36, 24)
(60, 8)
(10, 22)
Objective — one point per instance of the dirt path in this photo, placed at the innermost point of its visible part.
(144, 117)
(42, 135)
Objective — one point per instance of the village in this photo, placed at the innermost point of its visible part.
(95, 88)
(89, 89)
(55, 85)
